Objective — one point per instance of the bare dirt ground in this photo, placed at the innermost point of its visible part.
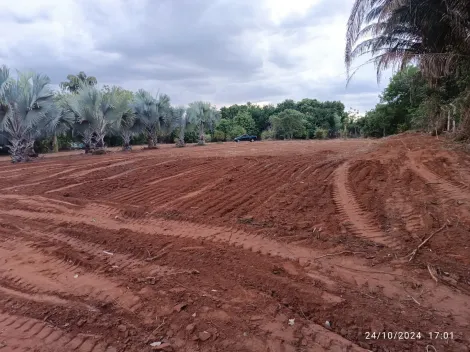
(269, 246)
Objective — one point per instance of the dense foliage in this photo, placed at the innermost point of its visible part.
(286, 120)
(34, 118)
(434, 35)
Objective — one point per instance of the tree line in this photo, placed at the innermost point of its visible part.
(307, 118)
(32, 115)
(428, 41)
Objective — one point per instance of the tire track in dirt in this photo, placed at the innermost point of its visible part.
(63, 188)
(237, 238)
(194, 202)
(219, 207)
(134, 195)
(33, 270)
(88, 171)
(257, 244)
(283, 186)
(271, 188)
(411, 219)
(150, 192)
(43, 180)
(449, 189)
(29, 173)
(14, 169)
(19, 333)
(69, 249)
(145, 167)
(38, 203)
(210, 179)
(358, 221)
(42, 298)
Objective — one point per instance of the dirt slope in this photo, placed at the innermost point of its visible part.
(269, 246)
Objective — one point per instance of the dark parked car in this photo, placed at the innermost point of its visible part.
(245, 137)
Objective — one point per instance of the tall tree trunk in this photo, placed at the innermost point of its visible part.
(201, 134)
(55, 143)
(150, 143)
(448, 121)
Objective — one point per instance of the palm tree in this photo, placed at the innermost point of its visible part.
(126, 129)
(433, 33)
(172, 121)
(98, 112)
(5, 81)
(181, 113)
(63, 121)
(74, 82)
(27, 111)
(151, 114)
(202, 114)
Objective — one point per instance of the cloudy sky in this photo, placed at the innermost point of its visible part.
(222, 51)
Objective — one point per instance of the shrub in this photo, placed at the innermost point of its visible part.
(321, 133)
(219, 136)
(289, 124)
(236, 131)
(191, 136)
(267, 134)
(99, 152)
(245, 120)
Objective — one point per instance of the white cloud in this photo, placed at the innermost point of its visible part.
(225, 51)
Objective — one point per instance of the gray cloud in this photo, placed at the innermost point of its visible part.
(224, 51)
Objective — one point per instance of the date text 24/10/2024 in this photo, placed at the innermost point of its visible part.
(409, 335)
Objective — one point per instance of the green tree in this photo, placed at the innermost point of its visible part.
(229, 112)
(27, 111)
(202, 115)
(261, 116)
(400, 104)
(181, 122)
(245, 120)
(433, 34)
(236, 131)
(289, 123)
(99, 113)
(150, 113)
(75, 81)
(286, 104)
(224, 126)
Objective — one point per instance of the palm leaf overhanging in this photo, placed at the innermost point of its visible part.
(431, 33)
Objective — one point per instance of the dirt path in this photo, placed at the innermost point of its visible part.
(295, 246)
(357, 219)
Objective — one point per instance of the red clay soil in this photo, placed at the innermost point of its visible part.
(267, 246)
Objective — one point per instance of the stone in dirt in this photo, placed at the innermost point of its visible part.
(122, 328)
(81, 322)
(163, 347)
(204, 336)
(190, 328)
(180, 307)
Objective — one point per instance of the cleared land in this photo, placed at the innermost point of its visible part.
(215, 248)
